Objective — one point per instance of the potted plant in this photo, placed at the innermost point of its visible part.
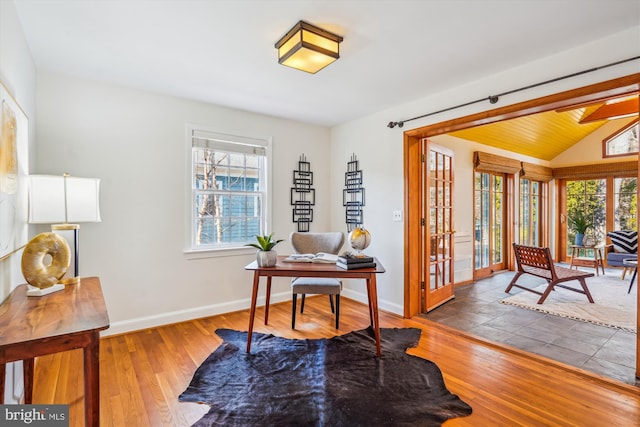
(266, 256)
(579, 223)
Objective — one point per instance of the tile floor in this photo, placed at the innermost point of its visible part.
(476, 309)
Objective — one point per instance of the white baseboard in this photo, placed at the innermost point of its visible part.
(189, 314)
(227, 307)
(382, 304)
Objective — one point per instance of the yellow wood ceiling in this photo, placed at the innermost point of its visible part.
(545, 135)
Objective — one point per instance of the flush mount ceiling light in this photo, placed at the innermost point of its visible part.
(308, 48)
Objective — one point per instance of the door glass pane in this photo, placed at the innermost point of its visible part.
(485, 216)
(530, 205)
(489, 220)
(481, 199)
(439, 210)
(497, 229)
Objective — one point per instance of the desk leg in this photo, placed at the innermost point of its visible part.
(369, 299)
(373, 307)
(27, 373)
(266, 303)
(92, 381)
(252, 314)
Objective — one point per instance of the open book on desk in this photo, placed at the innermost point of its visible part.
(319, 257)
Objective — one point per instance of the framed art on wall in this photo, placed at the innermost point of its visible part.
(14, 143)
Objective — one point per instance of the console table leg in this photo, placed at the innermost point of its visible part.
(27, 372)
(92, 381)
(3, 371)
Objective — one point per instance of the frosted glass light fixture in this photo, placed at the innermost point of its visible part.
(64, 201)
(308, 48)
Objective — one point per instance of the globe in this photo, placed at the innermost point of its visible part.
(359, 239)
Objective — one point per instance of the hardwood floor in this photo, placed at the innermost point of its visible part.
(142, 373)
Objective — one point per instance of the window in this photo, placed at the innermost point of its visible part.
(490, 197)
(229, 189)
(623, 142)
(625, 203)
(530, 212)
(588, 197)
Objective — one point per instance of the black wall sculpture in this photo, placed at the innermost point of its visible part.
(353, 194)
(303, 196)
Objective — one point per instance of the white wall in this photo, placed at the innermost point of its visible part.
(17, 73)
(135, 142)
(380, 149)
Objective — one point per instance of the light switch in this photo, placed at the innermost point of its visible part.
(397, 216)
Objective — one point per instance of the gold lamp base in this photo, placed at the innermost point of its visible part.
(44, 261)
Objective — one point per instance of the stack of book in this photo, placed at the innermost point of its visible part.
(353, 262)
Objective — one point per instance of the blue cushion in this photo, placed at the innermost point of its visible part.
(624, 241)
(614, 259)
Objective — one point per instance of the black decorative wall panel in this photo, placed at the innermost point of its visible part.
(353, 194)
(303, 195)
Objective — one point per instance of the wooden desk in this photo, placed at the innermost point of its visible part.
(61, 321)
(584, 260)
(309, 269)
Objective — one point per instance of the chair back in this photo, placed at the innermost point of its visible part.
(312, 243)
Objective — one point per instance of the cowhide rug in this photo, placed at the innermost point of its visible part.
(321, 382)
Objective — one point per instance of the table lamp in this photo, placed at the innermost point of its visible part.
(64, 201)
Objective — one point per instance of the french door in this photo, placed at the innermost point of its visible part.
(490, 198)
(437, 218)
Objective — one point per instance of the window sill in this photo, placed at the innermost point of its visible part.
(191, 254)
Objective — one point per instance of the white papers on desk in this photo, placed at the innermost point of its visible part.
(319, 257)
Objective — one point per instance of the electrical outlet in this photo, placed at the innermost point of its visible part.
(397, 216)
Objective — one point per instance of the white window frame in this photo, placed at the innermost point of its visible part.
(207, 132)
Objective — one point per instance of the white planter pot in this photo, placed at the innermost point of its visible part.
(267, 259)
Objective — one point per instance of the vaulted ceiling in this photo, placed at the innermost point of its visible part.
(546, 135)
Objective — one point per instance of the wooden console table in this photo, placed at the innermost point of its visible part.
(310, 269)
(580, 258)
(61, 321)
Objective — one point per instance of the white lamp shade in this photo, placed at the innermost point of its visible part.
(63, 199)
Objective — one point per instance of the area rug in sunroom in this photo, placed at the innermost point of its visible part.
(613, 306)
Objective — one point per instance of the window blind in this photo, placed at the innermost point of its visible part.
(492, 163)
(597, 171)
(224, 142)
(535, 172)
